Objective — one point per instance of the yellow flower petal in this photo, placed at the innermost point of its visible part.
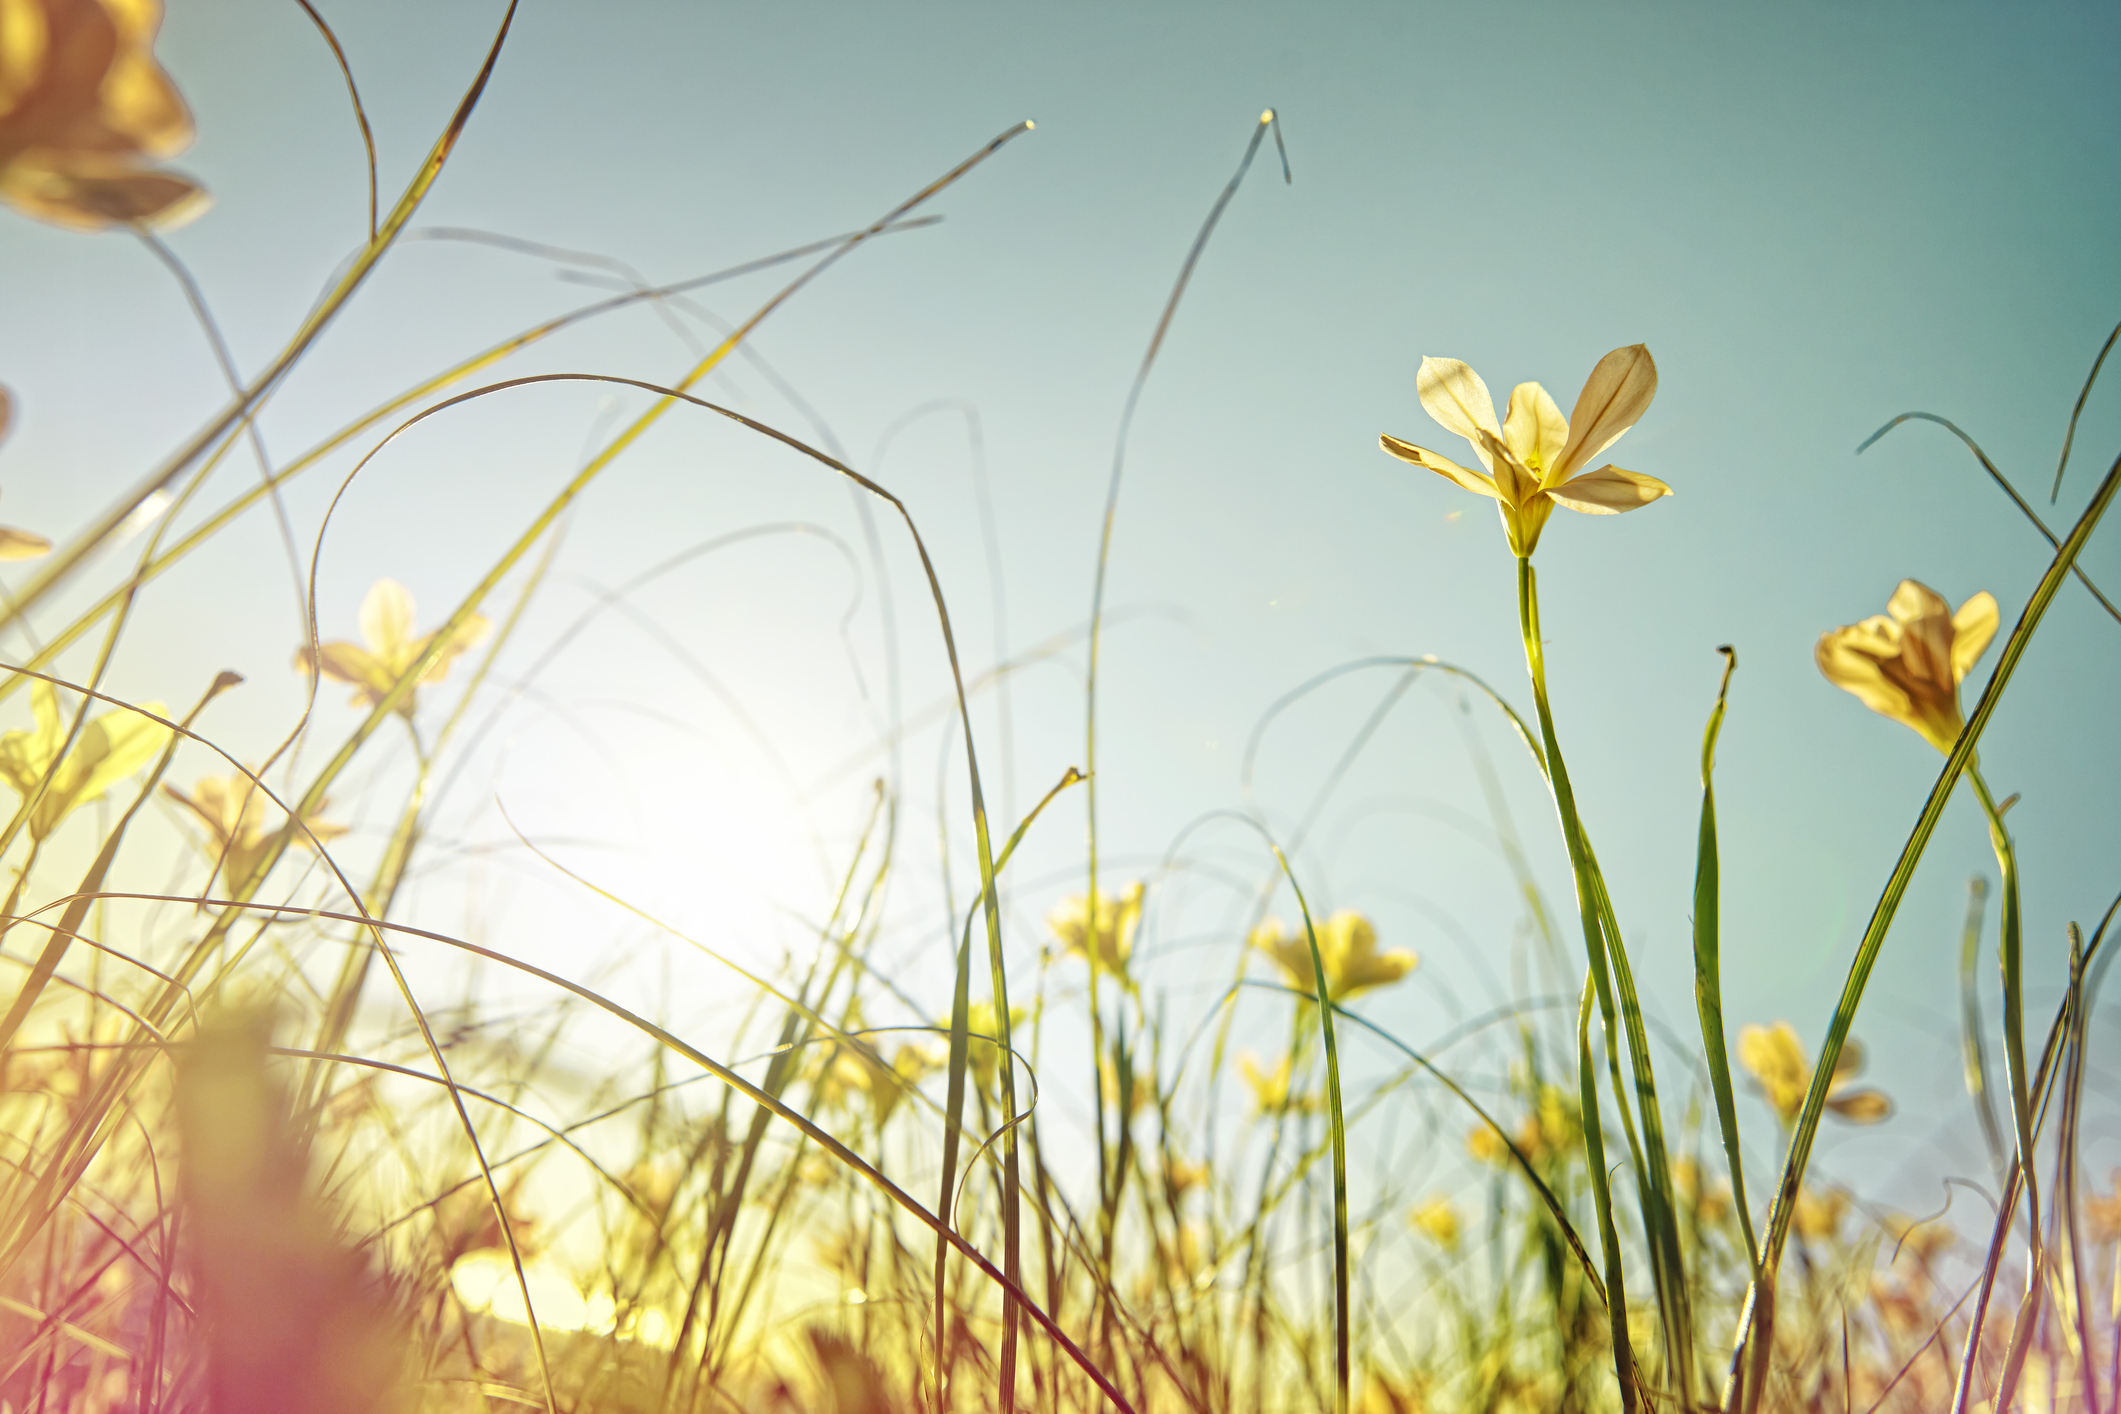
(467, 637)
(1454, 395)
(387, 616)
(1614, 397)
(1861, 1106)
(21, 545)
(1608, 491)
(1477, 482)
(1515, 482)
(1972, 629)
(1849, 658)
(1534, 428)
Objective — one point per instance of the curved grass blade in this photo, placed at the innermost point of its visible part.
(2069, 437)
(1973, 1049)
(1708, 975)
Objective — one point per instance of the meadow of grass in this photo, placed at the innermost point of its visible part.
(249, 1165)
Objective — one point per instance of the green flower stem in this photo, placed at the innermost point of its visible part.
(1602, 942)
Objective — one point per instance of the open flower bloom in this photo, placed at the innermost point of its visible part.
(1347, 942)
(1907, 663)
(387, 623)
(1117, 918)
(1778, 1061)
(1270, 1088)
(108, 749)
(83, 109)
(233, 810)
(17, 544)
(1534, 455)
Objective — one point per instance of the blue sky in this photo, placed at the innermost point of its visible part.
(1817, 216)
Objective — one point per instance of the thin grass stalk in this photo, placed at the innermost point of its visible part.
(1602, 941)
(1602, 1204)
(2010, 955)
(1741, 1397)
(1708, 976)
(2064, 1192)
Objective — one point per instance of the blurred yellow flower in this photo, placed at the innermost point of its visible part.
(1116, 921)
(1777, 1059)
(1270, 1088)
(1347, 942)
(1533, 457)
(233, 811)
(108, 749)
(83, 108)
(1819, 1215)
(17, 544)
(2102, 1213)
(851, 1072)
(1485, 1145)
(1435, 1216)
(1907, 663)
(387, 617)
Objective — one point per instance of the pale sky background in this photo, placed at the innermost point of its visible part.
(1816, 215)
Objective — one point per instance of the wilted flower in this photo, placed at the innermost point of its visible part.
(83, 108)
(1533, 457)
(1116, 921)
(1907, 663)
(1435, 1216)
(1348, 944)
(17, 544)
(233, 810)
(1778, 1061)
(108, 749)
(387, 623)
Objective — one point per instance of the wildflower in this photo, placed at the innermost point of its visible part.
(1270, 1088)
(83, 107)
(2103, 1213)
(1922, 1241)
(1778, 1061)
(1116, 921)
(387, 623)
(1348, 944)
(1710, 1205)
(1436, 1217)
(1487, 1146)
(1907, 663)
(233, 810)
(106, 750)
(1533, 456)
(884, 1085)
(17, 544)
(1819, 1214)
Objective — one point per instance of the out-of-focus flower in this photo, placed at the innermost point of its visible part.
(16, 544)
(1381, 1394)
(851, 1071)
(1436, 1217)
(108, 749)
(84, 108)
(387, 618)
(2102, 1212)
(1484, 1144)
(1117, 918)
(1347, 942)
(1819, 1215)
(1777, 1059)
(1270, 1088)
(982, 1056)
(1709, 1206)
(233, 810)
(1182, 1176)
(1907, 663)
(1533, 457)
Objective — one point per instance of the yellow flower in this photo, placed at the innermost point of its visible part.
(387, 623)
(1435, 1216)
(1347, 942)
(17, 544)
(1485, 1145)
(1270, 1089)
(1116, 921)
(1778, 1061)
(884, 1085)
(1533, 457)
(108, 749)
(1819, 1215)
(1907, 663)
(233, 810)
(2103, 1212)
(83, 107)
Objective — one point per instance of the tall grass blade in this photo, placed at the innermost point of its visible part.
(1973, 1048)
